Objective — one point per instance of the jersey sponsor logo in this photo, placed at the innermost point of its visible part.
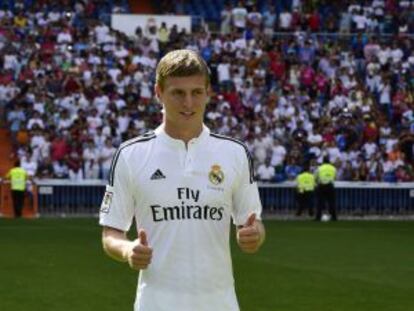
(106, 202)
(184, 211)
(216, 175)
(187, 208)
(157, 175)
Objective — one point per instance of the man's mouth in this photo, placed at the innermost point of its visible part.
(187, 114)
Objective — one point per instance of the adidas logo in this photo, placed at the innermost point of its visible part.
(157, 175)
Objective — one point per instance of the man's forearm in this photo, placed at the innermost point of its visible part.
(116, 244)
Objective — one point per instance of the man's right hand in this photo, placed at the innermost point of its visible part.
(139, 253)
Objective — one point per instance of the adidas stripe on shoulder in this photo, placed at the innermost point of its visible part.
(249, 156)
(146, 137)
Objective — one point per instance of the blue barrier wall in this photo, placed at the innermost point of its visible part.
(350, 200)
(66, 198)
(63, 197)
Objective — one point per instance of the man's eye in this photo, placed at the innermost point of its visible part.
(178, 93)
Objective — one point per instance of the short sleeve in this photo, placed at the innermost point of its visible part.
(117, 208)
(246, 199)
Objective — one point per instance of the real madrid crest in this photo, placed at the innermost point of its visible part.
(216, 175)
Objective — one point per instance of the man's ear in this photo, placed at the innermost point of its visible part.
(209, 93)
(157, 92)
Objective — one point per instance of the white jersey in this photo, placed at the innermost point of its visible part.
(184, 198)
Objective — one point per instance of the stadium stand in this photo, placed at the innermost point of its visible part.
(295, 80)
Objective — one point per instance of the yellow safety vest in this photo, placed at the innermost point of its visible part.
(18, 177)
(305, 182)
(163, 35)
(326, 173)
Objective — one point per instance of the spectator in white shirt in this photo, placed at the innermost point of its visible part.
(29, 164)
(239, 16)
(278, 153)
(60, 169)
(123, 121)
(223, 71)
(105, 158)
(35, 120)
(120, 51)
(65, 120)
(285, 20)
(266, 171)
(54, 15)
(396, 53)
(360, 21)
(90, 158)
(99, 138)
(37, 138)
(94, 121)
(101, 102)
(370, 148)
(64, 37)
(254, 18)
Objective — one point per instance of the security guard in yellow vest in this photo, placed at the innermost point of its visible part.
(18, 178)
(325, 177)
(305, 185)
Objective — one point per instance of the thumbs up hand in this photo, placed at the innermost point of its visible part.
(248, 235)
(139, 253)
(142, 236)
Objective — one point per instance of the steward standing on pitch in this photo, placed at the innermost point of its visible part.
(18, 179)
(305, 185)
(183, 185)
(325, 176)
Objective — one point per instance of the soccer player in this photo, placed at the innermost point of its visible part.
(183, 185)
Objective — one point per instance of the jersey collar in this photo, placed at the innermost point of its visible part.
(160, 132)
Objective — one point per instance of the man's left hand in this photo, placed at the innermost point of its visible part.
(250, 236)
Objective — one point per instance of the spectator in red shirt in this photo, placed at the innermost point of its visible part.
(314, 21)
(307, 76)
(59, 148)
(370, 132)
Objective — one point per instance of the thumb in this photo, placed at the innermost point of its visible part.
(250, 220)
(142, 236)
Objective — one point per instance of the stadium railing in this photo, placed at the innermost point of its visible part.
(66, 197)
(352, 198)
(56, 197)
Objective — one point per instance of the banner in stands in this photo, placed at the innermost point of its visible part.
(128, 23)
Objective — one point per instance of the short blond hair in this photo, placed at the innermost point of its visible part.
(181, 63)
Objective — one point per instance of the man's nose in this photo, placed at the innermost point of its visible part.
(188, 101)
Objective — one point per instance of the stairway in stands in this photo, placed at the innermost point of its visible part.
(141, 7)
(5, 151)
(5, 164)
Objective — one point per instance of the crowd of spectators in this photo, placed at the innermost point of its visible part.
(73, 89)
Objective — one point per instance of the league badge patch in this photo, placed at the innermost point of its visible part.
(106, 202)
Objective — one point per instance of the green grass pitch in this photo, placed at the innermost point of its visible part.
(58, 264)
